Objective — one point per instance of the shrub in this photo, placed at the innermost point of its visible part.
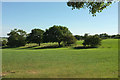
(92, 41)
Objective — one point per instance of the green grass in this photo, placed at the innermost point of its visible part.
(31, 62)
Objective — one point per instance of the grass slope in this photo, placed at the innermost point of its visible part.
(99, 62)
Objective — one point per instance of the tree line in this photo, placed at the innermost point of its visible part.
(53, 34)
(59, 34)
(102, 36)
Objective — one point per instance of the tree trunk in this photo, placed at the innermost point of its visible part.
(59, 44)
(39, 44)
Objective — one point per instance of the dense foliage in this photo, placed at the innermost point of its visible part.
(56, 34)
(59, 34)
(78, 37)
(36, 36)
(16, 38)
(92, 41)
(93, 7)
(102, 36)
(69, 39)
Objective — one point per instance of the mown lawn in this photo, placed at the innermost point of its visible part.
(32, 62)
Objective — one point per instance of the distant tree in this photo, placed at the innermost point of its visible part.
(117, 36)
(36, 36)
(78, 37)
(104, 36)
(56, 34)
(92, 41)
(85, 35)
(96, 35)
(4, 43)
(93, 7)
(113, 36)
(69, 39)
(16, 38)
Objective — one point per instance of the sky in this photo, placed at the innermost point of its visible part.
(42, 15)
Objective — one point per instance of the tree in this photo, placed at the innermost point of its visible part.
(85, 35)
(112, 36)
(78, 37)
(36, 36)
(97, 35)
(117, 36)
(56, 34)
(69, 39)
(16, 38)
(104, 36)
(94, 7)
(92, 41)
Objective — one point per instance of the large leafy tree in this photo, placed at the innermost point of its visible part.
(93, 7)
(56, 34)
(36, 36)
(16, 38)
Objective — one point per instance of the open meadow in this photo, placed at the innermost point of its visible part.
(32, 61)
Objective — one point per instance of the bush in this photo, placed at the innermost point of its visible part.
(92, 41)
(69, 39)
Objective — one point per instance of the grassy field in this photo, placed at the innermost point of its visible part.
(35, 62)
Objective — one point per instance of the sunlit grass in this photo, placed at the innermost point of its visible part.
(31, 62)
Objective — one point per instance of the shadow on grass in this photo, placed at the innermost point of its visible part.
(6, 47)
(82, 47)
(49, 47)
(35, 47)
(28, 47)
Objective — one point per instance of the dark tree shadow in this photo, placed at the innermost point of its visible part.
(5, 47)
(35, 47)
(48, 47)
(82, 47)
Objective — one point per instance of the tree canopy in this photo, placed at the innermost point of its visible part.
(36, 36)
(92, 41)
(16, 38)
(56, 34)
(69, 39)
(93, 7)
